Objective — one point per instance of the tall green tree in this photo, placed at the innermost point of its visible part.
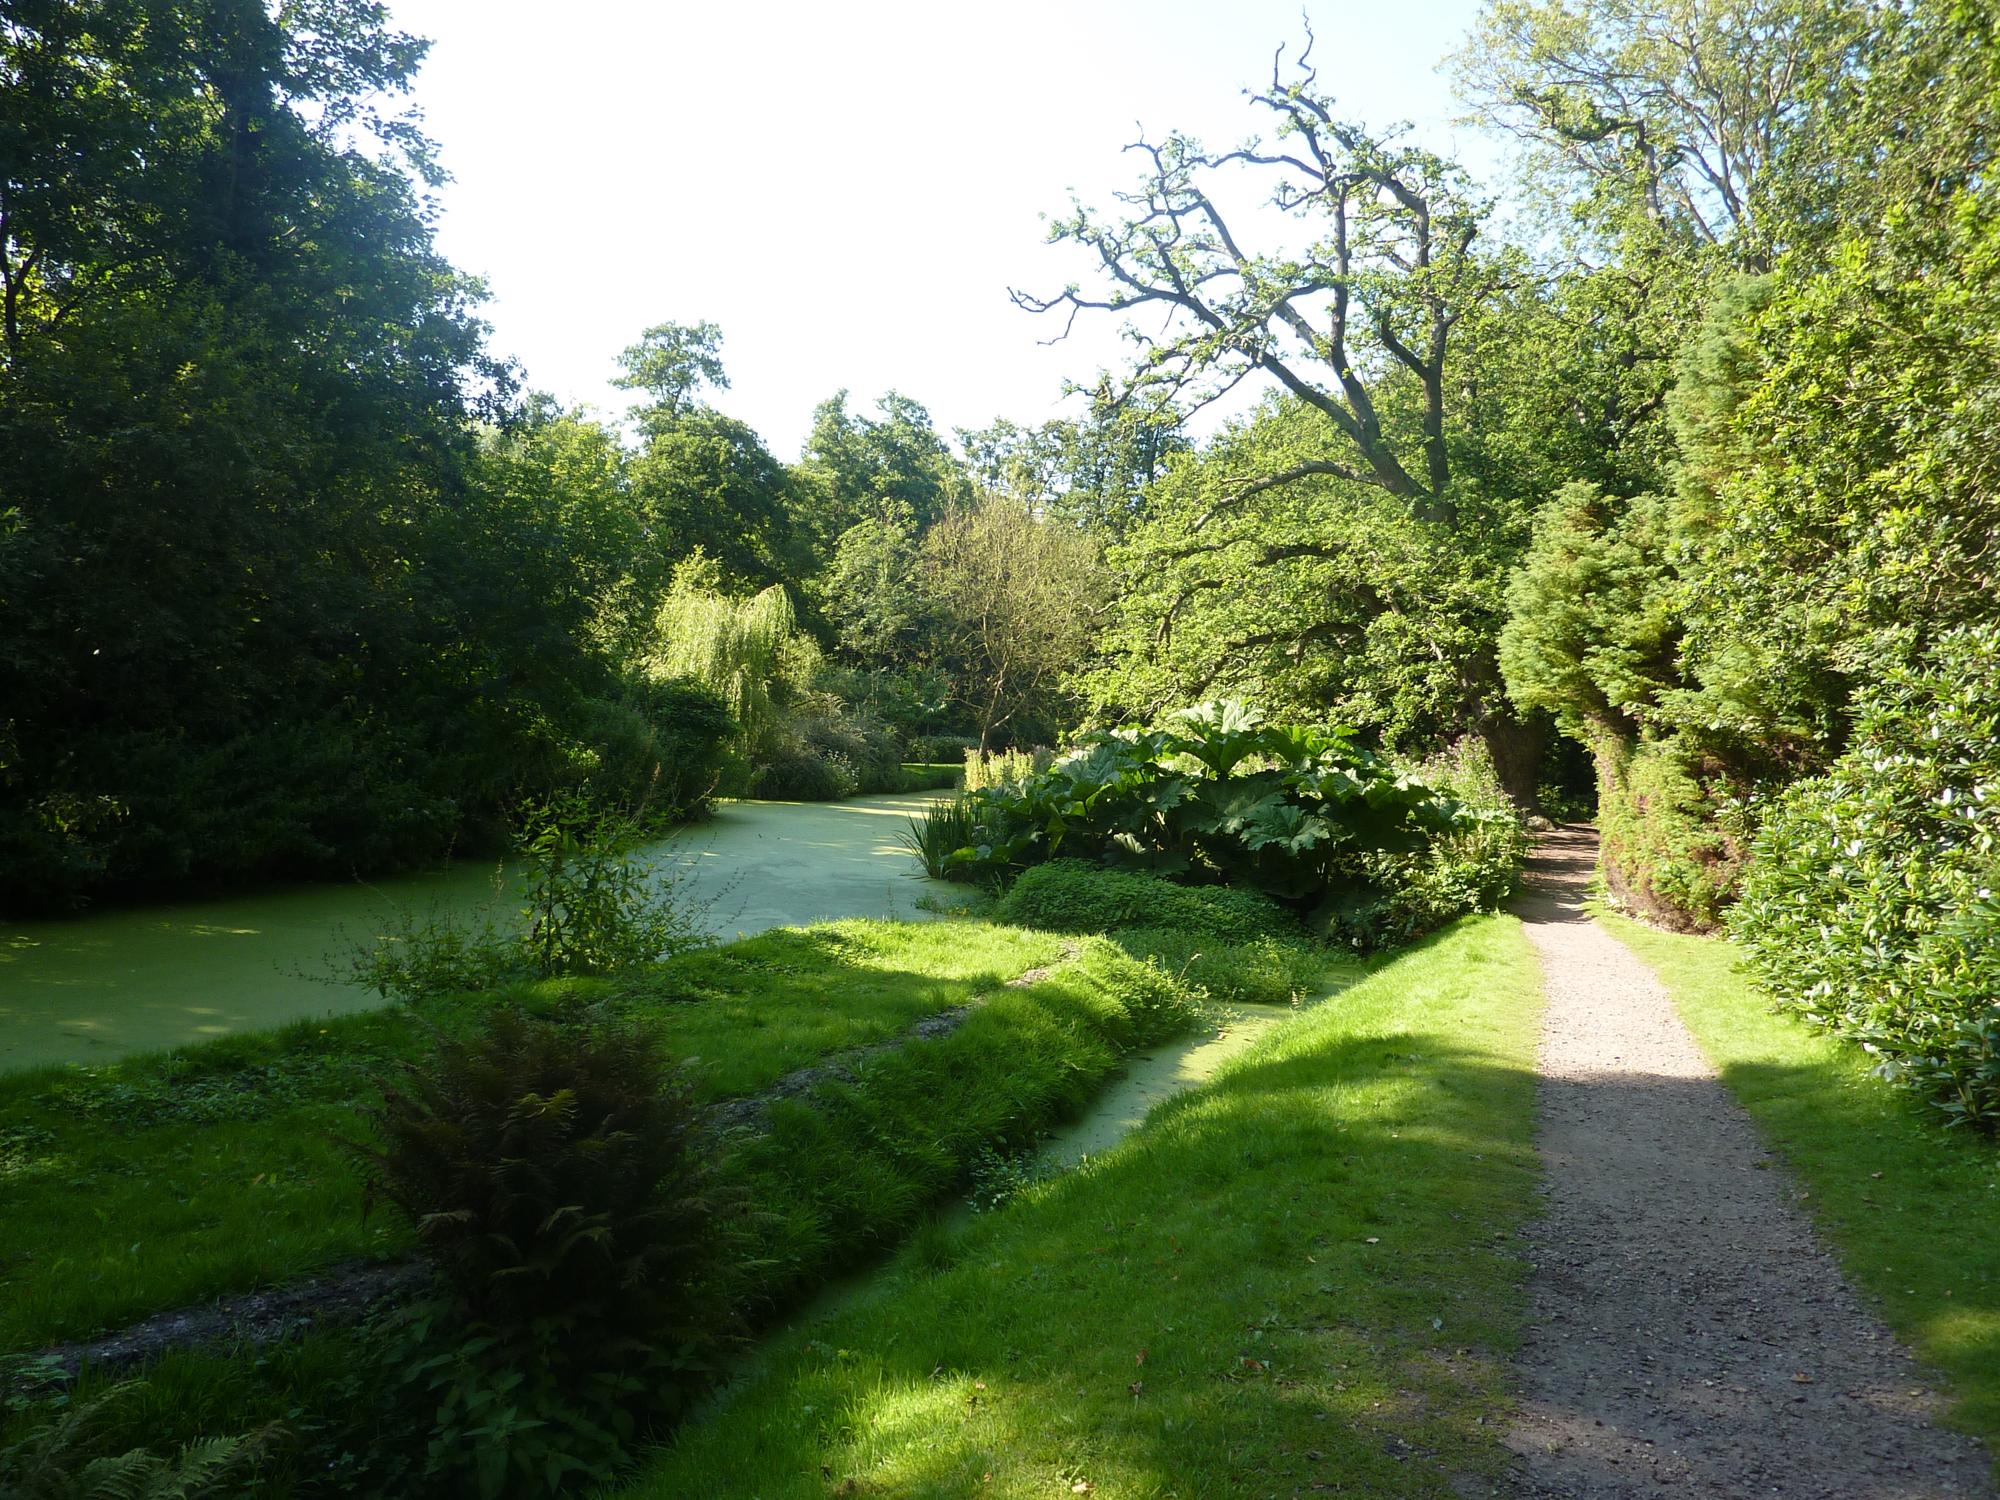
(892, 465)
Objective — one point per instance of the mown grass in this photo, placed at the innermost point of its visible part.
(164, 1180)
(1299, 1276)
(831, 1176)
(1911, 1208)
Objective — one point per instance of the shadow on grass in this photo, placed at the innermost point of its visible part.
(166, 1179)
(1298, 1275)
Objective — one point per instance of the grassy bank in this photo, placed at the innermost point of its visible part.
(1913, 1209)
(831, 1173)
(164, 1180)
(1297, 1276)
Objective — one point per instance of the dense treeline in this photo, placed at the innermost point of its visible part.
(295, 580)
(1680, 474)
(1689, 467)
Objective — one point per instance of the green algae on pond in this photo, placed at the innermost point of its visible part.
(97, 987)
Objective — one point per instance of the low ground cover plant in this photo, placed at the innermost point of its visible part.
(1071, 895)
(1871, 905)
(1257, 971)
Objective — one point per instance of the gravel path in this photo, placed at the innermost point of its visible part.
(1689, 1334)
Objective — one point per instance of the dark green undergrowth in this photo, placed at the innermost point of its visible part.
(1912, 1208)
(1299, 1276)
(162, 1180)
(830, 1175)
(1072, 895)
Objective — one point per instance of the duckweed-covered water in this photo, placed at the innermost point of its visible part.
(95, 987)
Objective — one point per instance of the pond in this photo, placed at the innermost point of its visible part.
(98, 986)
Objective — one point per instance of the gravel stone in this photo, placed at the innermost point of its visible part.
(1690, 1334)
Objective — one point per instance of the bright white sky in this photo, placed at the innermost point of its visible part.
(850, 187)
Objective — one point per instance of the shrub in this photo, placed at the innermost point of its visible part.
(921, 776)
(868, 749)
(1068, 895)
(555, 1172)
(792, 773)
(940, 749)
(1671, 837)
(1261, 971)
(690, 730)
(1474, 865)
(590, 908)
(1869, 903)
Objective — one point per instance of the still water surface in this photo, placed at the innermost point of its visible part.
(129, 980)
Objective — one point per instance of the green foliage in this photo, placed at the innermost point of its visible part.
(589, 908)
(941, 831)
(1473, 866)
(1590, 632)
(1869, 904)
(556, 1174)
(1070, 895)
(60, 1460)
(923, 776)
(1302, 816)
(1672, 841)
(985, 769)
(1254, 971)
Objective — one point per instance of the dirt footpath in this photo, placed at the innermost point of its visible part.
(1689, 1334)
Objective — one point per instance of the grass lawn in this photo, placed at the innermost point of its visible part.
(1912, 1208)
(1299, 1276)
(162, 1180)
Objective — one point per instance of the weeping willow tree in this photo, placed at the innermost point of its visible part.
(750, 651)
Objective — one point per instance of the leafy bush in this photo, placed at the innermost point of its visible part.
(926, 776)
(589, 908)
(793, 773)
(866, 747)
(556, 1174)
(940, 749)
(1068, 895)
(1672, 840)
(681, 760)
(1306, 817)
(1870, 904)
(1473, 866)
(1261, 971)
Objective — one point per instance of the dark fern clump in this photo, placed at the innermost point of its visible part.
(65, 1458)
(555, 1173)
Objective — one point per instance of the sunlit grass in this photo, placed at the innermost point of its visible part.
(1298, 1275)
(123, 1193)
(1912, 1208)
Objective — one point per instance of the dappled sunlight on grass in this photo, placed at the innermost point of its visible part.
(1298, 1273)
